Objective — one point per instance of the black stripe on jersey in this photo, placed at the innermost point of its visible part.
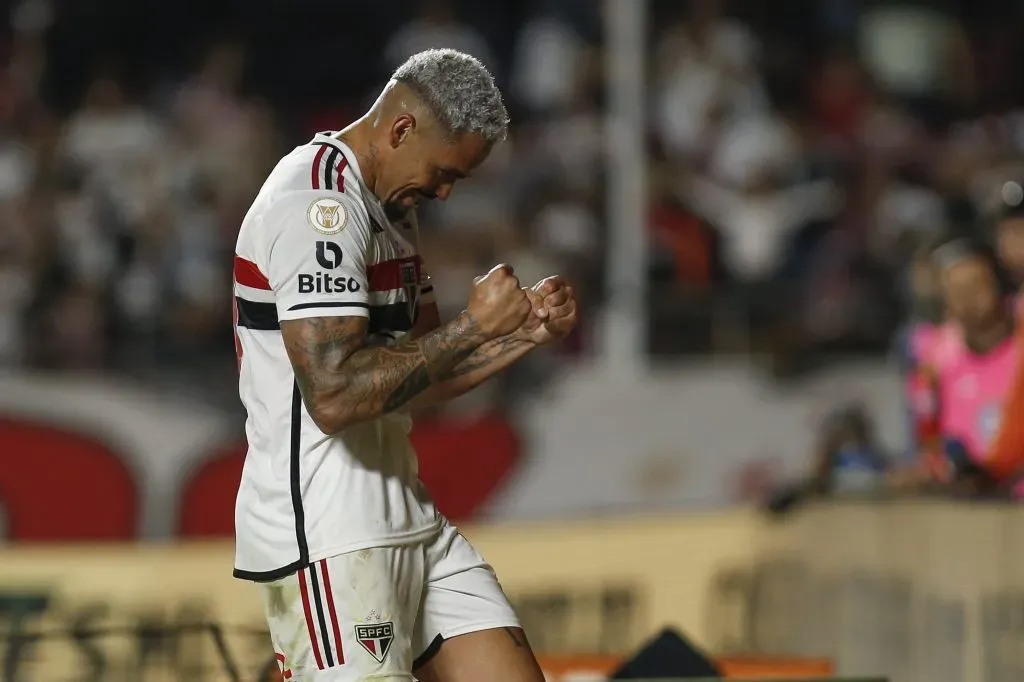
(332, 158)
(295, 483)
(324, 143)
(295, 474)
(329, 304)
(393, 317)
(259, 316)
(324, 637)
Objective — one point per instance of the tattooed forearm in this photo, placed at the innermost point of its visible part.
(343, 382)
(479, 366)
(444, 348)
(494, 351)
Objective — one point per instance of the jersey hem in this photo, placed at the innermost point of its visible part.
(511, 622)
(410, 538)
(272, 575)
(302, 311)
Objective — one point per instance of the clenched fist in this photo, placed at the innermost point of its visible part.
(553, 313)
(498, 304)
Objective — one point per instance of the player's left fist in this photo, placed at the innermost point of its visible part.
(554, 311)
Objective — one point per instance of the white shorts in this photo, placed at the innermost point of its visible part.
(381, 612)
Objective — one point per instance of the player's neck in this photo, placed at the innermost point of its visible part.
(359, 138)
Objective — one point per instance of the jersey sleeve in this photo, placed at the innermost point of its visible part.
(316, 261)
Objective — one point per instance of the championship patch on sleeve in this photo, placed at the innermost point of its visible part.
(327, 216)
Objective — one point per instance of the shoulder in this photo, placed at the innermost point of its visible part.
(295, 208)
(319, 166)
(310, 187)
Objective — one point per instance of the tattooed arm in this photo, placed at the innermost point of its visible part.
(343, 382)
(483, 363)
(551, 297)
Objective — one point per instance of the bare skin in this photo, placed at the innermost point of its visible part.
(343, 382)
(499, 654)
(553, 316)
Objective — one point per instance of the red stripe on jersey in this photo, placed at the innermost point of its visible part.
(285, 672)
(387, 275)
(340, 183)
(315, 173)
(248, 274)
(309, 619)
(329, 597)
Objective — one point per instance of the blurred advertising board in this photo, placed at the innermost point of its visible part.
(695, 438)
(918, 591)
(598, 667)
(921, 591)
(586, 588)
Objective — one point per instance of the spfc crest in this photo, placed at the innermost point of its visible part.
(376, 639)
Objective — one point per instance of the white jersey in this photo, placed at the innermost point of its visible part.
(316, 243)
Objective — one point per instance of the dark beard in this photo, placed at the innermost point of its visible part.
(395, 212)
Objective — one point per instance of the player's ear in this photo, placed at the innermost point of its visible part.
(402, 129)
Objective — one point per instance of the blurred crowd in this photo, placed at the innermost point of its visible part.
(803, 154)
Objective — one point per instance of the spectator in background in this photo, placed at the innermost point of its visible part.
(919, 53)
(210, 103)
(1009, 233)
(849, 459)
(222, 136)
(18, 163)
(841, 97)
(976, 376)
(118, 143)
(548, 59)
(909, 211)
(16, 293)
(757, 221)
(704, 80)
(846, 461)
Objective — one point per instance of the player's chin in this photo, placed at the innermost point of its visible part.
(403, 204)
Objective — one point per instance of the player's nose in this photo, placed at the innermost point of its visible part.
(444, 191)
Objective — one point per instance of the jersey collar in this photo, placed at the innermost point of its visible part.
(331, 137)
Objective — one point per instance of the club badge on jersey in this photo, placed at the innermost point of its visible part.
(376, 639)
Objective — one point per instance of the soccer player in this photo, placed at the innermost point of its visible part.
(338, 337)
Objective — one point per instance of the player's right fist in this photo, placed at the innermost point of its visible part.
(498, 304)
